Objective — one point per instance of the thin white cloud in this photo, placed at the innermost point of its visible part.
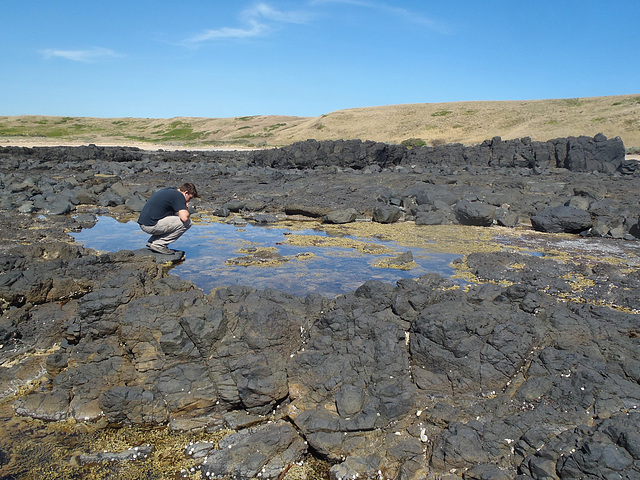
(264, 10)
(261, 18)
(86, 56)
(258, 20)
(404, 14)
(254, 29)
(411, 16)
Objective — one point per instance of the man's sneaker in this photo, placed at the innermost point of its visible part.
(160, 249)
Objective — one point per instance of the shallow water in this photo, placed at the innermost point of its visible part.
(306, 268)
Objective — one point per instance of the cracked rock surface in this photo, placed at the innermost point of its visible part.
(517, 376)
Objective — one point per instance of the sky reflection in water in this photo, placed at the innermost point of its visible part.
(331, 271)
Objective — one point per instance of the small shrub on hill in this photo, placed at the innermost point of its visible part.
(413, 142)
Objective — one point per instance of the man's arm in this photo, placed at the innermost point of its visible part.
(184, 215)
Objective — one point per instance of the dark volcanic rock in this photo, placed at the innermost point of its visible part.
(386, 214)
(562, 219)
(346, 215)
(431, 218)
(474, 213)
(307, 210)
(266, 451)
(421, 379)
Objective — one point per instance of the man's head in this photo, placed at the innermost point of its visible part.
(189, 189)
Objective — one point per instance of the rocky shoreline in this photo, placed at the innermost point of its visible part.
(532, 372)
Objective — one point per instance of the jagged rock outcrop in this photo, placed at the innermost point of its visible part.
(528, 374)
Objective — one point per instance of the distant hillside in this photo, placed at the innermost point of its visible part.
(432, 123)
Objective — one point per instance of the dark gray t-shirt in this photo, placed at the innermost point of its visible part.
(165, 202)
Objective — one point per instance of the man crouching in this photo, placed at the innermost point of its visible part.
(165, 216)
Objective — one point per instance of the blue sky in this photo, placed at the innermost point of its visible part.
(208, 58)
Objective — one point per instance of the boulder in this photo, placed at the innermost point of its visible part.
(386, 214)
(562, 219)
(221, 212)
(135, 202)
(27, 207)
(506, 218)
(264, 218)
(474, 213)
(313, 211)
(431, 218)
(60, 206)
(579, 202)
(346, 215)
(234, 205)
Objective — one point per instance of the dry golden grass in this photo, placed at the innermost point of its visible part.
(462, 122)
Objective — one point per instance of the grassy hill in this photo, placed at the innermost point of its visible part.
(431, 123)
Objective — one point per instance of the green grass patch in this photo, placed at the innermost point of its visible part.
(35, 131)
(65, 120)
(12, 131)
(627, 101)
(179, 131)
(254, 135)
(240, 141)
(242, 128)
(270, 128)
(246, 119)
(182, 134)
(58, 133)
(441, 113)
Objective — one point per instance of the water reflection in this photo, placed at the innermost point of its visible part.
(328, 270)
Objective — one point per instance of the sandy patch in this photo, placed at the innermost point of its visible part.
(45, 142)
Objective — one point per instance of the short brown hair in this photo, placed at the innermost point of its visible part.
(189, 188)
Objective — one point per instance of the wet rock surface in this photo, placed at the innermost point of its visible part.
(532, 372)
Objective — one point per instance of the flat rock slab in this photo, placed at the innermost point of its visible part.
(177, 256)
